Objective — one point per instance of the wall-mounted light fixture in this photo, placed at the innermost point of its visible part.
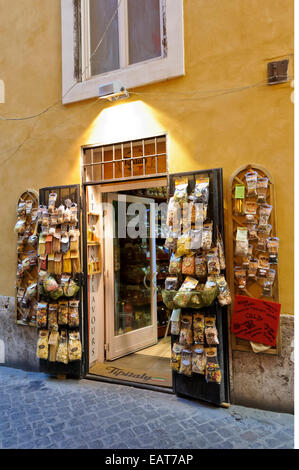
(113, 91)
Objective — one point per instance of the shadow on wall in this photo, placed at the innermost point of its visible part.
(17, 343)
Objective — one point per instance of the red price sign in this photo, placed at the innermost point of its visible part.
(255, 320)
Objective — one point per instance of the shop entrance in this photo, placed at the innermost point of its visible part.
(137, 343)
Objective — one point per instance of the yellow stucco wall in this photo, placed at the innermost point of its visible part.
(227, 45)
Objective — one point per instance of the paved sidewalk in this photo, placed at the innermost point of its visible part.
(38, 412)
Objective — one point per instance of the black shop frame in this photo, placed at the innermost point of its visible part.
(74, 369)
(196, 385)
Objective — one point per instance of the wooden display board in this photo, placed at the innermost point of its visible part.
(23, 316)
(253, 288)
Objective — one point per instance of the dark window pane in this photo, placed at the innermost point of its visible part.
(144, 30)
(106, 57)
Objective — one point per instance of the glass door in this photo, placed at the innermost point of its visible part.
(130, 275)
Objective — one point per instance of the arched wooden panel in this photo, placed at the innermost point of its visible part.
(254, 288)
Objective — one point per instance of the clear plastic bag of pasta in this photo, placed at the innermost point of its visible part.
(42, 348)
(207, 234)
(272, 246)
(224, 294)
(241, 248)
(213, 371)
(268, 283)
(201, 266)
(42, 314)
(62, 351)
(74, 346)
(211, 332)
(175, 321)
(171, 241)
(265, 212)
(213, 263)
(201, 190)
(251, 181)
(186, 334)
(209, 292)
(181, 190)
(198, 328)
(184, 245)
(176, 355)
(173, 218)
(186, 362)
(220, 247)
(73, 317)
(261, 188)
(188, 265)
(198, 359)
(53, 317)
(175, 265)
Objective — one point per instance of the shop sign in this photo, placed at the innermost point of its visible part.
(255, 320)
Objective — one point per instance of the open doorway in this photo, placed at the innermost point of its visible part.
(134, 343)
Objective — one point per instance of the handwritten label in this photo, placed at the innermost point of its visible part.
(255, 320)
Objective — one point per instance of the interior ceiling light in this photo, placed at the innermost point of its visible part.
(113, 91)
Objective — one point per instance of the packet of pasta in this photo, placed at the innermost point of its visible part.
(73, 317)
(207, 234)
(63, 312)
(220, 246)
(198, 359)
(198, 328)
(180, 193)
(240, 276)
(175, 320)
(176, 355)
(213, 262)
(175, 265)
(74, 346)
(241, 248)
(251, 181)
(211, 330)
(186, 336)
(188, 265)
(272, 245)
(184, 245)
(201, 190)
(201, 266)
(186, 362)
(261, 188)
(42, 315)
(224, 295)
(52, 317)
(213, 372)
(62, 351)
(42, 349)
(268, 283)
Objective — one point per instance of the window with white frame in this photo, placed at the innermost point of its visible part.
(136, 42)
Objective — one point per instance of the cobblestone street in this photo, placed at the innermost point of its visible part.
(39, 412)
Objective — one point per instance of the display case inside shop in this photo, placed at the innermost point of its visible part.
(196, 289)
(26, 229)
(59, 323)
